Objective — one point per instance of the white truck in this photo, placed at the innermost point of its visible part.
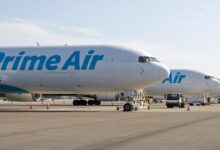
(197, 101)
(213, 101)
(175, 100)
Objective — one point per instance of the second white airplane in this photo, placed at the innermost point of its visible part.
(186, 82)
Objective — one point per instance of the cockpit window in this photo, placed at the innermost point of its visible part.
(144, 59)
(154, 59)
(209, 77)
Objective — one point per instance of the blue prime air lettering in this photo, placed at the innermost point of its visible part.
(177, 79)
(35, 62)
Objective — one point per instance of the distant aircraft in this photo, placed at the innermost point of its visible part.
(75, 70)
(186, 82)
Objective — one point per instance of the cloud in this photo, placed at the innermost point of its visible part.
(16, 32)
(82, 31)
(196, 19)
(20, 32)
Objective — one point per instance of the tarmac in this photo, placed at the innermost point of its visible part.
(64, 127)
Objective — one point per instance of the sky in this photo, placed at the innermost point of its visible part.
(182, 34)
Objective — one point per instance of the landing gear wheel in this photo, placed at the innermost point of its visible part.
(128, 107)
(76, 102)
(91, 102)
(83, 102)
(169, 106)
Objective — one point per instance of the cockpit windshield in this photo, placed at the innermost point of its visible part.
(173, 96)
(144, 59)
(207, 77)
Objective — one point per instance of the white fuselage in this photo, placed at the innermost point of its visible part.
(186, 82)
(76, 69)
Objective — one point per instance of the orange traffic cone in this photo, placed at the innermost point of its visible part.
(48, 106)
(30, 106)
(188, 107)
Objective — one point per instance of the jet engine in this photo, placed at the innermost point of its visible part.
(24, 97)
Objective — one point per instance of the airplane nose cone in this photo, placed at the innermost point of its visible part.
(162, 71)
(156, 73)
(214, 87)
(213, 83)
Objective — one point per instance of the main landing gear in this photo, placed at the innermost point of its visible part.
(86, 102)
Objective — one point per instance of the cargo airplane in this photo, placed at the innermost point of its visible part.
(29, 72)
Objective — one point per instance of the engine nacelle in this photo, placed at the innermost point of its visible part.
(24, 97)
(37, 97)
